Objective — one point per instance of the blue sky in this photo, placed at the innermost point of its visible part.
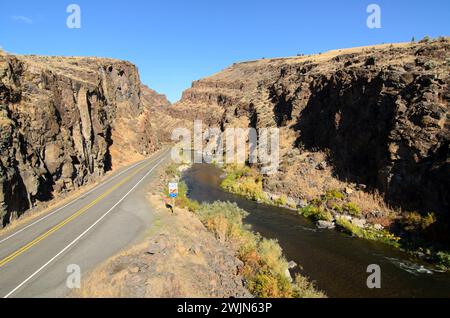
(174, 42)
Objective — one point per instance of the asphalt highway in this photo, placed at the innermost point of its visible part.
(38, 259)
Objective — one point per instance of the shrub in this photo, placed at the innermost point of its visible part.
(244, 181)
(281, 201)
(443, 260)
(223, 219)
(414, 221)
(186, 203)
(303, 288)
(349, 227)
(352, 209)
(368, 233)
(334, 194)
(172, 171)
(339, 209)
(316, 213)
(425, 39)
(268, 285)
(266, 270)
(271, 256)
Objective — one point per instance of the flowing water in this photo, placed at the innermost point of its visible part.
(335, 261)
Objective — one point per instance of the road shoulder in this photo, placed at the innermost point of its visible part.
(178, 257)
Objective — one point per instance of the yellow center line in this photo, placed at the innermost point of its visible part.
(26, 247)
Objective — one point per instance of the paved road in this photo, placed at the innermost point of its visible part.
(34, 260)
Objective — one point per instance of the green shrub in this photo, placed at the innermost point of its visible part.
(186, 203)
(425, 39)
(334, 194)
(316, 213)
(242, 180)
(308, 211)
(303, 288)
(368, 233)
(338, 208)
(444, 260)
(281, 201)
(349, 227)
(352, 209)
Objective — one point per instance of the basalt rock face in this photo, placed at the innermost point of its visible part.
(59, 120)
(380, 113)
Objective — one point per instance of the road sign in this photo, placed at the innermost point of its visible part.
(173, 189)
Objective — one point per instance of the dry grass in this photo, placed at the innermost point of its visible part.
(232, 73)
(369, 202)
(5, 121)
(104, 283)
(300, 178)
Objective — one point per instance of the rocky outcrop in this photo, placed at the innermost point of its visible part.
(64, 122)
(381, 114)
(164, 118)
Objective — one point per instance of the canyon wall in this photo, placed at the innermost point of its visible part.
(379, 114)
(66, 121)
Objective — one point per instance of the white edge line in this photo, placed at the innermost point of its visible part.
(70, 203)
(84, 233)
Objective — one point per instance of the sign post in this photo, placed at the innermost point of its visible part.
(173, 191)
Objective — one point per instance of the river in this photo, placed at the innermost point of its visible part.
(336, 262)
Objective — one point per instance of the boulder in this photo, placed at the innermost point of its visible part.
(326, 225)
(361, 223)
(378, 227)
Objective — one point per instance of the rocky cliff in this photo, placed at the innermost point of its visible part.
(66, 121)
(380, 115)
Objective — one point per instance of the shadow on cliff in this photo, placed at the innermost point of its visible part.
(17, 198)
(353, 124)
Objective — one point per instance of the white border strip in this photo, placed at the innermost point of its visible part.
(84, 233)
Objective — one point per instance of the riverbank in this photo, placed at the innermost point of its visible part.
(265, 270)
(349, 210)
(334, 261)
